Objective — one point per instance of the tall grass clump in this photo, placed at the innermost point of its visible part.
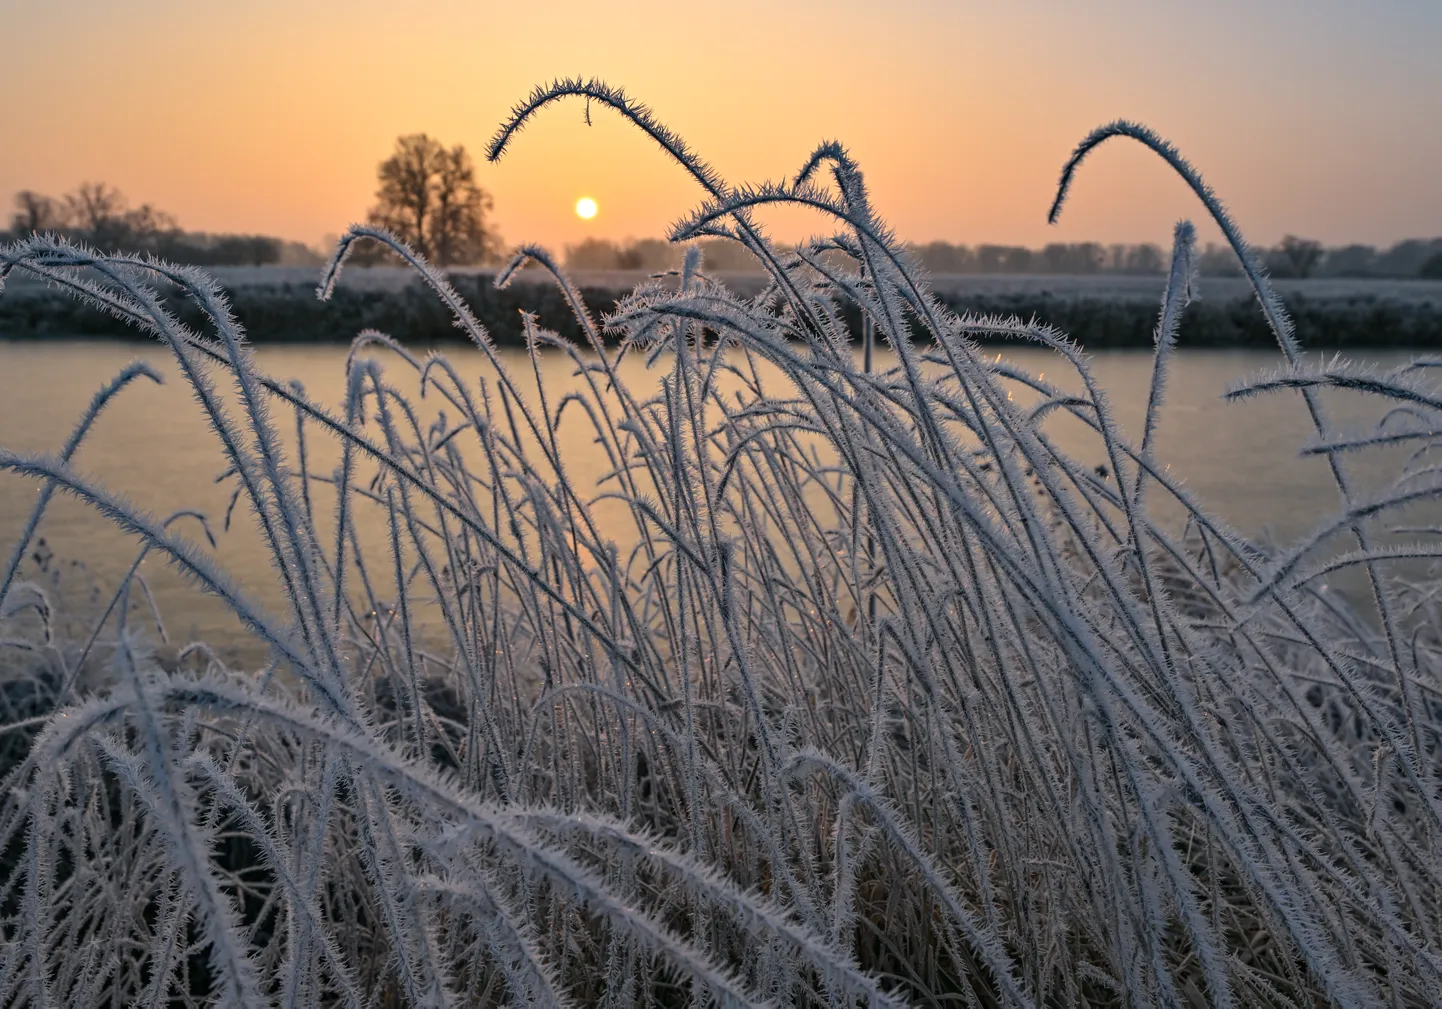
(846, 685)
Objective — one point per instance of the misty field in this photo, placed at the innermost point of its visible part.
(843, 684)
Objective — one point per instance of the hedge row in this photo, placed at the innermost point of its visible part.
(290, 313)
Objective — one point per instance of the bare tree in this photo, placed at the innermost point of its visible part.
(429, 198)
(98, 211)
(101, 214)
(462, 234)
(35, 212)
(1302, 253)
(146, 222)
(405, 190)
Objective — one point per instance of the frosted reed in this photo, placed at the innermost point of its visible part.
(845, 686)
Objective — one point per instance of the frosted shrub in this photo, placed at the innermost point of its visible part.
(862, 692)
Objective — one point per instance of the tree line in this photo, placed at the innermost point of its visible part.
(1292, 258)
(100, 215)
(427, 194)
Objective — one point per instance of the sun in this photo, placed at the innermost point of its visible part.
(586, 208)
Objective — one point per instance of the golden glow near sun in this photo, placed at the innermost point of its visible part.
(586, 208)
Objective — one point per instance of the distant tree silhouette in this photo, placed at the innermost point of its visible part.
(1003, 259)
(1432, 268)
(95, 207)
(1405, 259)
(653, 255)
(1077, 257)
(36, 212)
(101, 214)
(429, 198)
(649, 254)
(1354, 260)
(1145, 258)
(223, 250)
(944, 258)
(593, 254)
(1302, 254)
(97, 213)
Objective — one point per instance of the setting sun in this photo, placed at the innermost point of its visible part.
(586, 208)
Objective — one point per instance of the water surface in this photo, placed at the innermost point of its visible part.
(152, 444)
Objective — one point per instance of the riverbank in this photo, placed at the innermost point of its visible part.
(278, 305)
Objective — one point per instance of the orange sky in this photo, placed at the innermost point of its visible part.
(1318, 117)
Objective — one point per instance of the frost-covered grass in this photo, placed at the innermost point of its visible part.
(861, 692)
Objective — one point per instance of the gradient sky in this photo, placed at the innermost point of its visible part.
(1316, 117)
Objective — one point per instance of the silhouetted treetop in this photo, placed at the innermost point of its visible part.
(428, 197)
